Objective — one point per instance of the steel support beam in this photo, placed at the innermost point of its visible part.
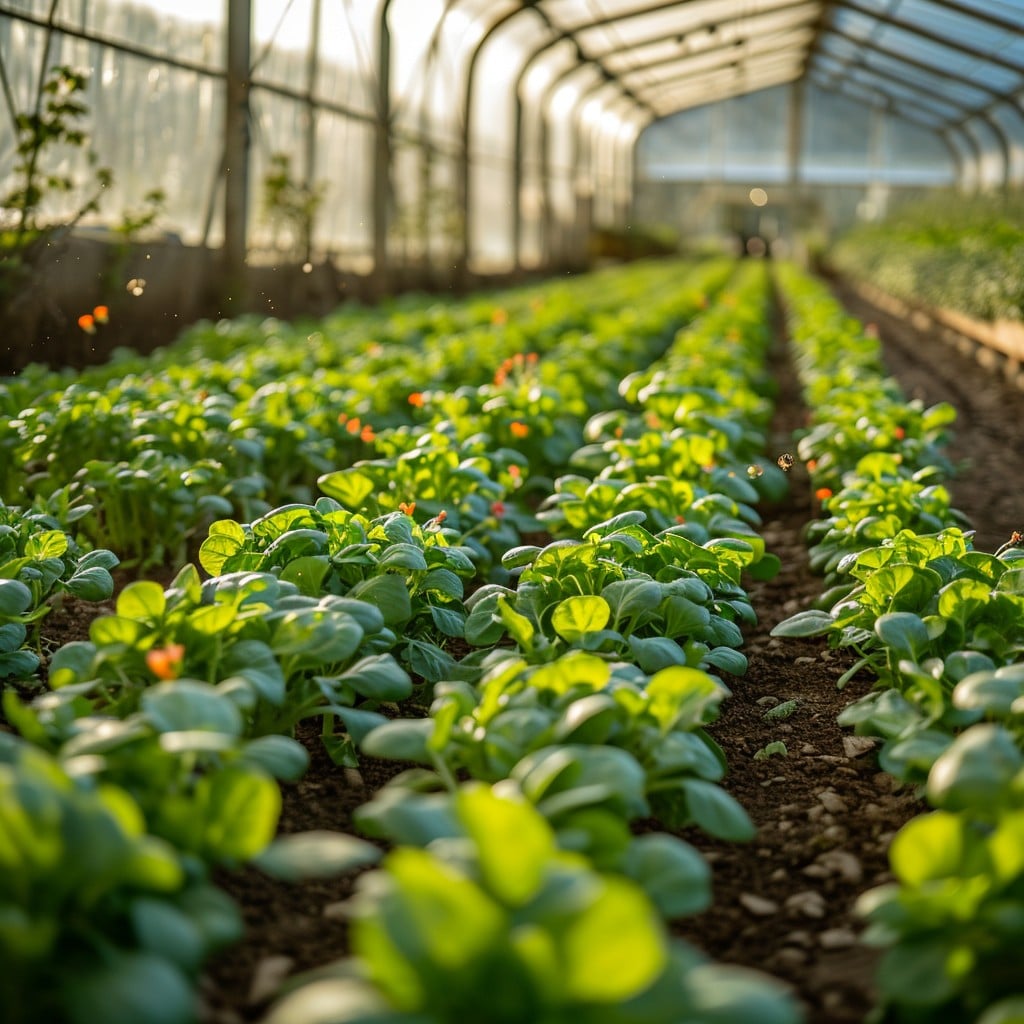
(236, 152)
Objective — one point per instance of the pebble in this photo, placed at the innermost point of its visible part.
(836, 833)
(842, 863)
(857, 746)
(778, 875)
(336, 911)
(837, 938)
(767, 701)
(808, 748)
(788, 956)
(804, 660)
(270, 972)
(832, 802)
(758, 905)
(799, 938)
(807, 904)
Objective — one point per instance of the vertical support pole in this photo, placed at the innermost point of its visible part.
(794, 150)
(312, 74)
(518, 163)
(236, 151)
(382, 152)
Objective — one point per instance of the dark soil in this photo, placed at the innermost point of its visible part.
(825, 813)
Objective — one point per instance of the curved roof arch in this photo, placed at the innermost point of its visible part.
(949, 65)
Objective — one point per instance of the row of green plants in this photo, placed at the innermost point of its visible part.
(516, 889)
(940, 625)
(161, 742)
(955, 252)
(238, 418)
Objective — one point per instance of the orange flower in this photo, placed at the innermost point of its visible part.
(165, 662)
(812, 465)
(408, 507)
(102, 314)
(88, 323)
(514, 471)
(498, 509)
(367, 434)
(532, 357)
(499, 317)
(680, 519)
(416, 400)
(342, 417)
(440, 517)
(354, 426)
(518, 429)
(823, 493)
(900, 433)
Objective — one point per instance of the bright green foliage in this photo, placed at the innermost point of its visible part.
(492, 921)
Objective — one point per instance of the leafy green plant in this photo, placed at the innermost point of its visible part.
(97, 918)
(498, 921)
(413, 574)
(277, 655)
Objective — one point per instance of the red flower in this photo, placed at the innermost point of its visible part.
(900, 433)
(165, 662)
(498, 509)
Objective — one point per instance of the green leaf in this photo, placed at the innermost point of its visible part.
(143, 600)
(672, 873)
(129, 988)
(187, 704)
(15, 597)
(378, 677)
(615, 947)
(905, 633)
(519, 627)
(581, 614)
(715, 811)
(241, 810)
(929, 847)
(49, 544)
(280, 757)
(915, 973)
(389, 593)
(94, 584)
(976, 772)
(349, 487)
(804, 624)
(304, 856)
(514, 843)
(403, 739)
(163, 929)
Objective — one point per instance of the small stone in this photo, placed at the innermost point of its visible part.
(758, 905)
(857, 746)
(842, 863)
(799, 938)
(807, 904)
(336, 911)
(788, 956)
(779, 875)
(837, 938)
(804, 660)
(836, 833)
(270, 972)
(816, 813)
(832, 802)
(785, 826)
(816, 871)
(767, 701)
(808, 748)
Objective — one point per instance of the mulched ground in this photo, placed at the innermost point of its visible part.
(783, 903)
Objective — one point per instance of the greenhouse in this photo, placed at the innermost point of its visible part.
(507, 511)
